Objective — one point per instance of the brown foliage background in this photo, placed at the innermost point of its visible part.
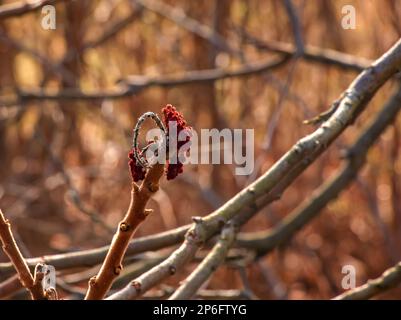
(91, 138)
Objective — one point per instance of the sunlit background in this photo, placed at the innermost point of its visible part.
(64, 179)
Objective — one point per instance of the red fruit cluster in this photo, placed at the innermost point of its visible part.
(137, 171)
(173, 169)
(170, 114)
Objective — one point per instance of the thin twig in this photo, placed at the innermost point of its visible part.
(187, 250)
(135, 84)
(296, 27)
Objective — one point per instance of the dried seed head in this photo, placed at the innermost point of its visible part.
(137, 171)
(170, 114)
(138, 163)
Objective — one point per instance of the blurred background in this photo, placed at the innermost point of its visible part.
(64, 179)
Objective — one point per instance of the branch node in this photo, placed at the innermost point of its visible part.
(147, 212)
(124, 226)
(153, 187)
(197, 219)
(172, 270)
(137, 285)
(117, 270)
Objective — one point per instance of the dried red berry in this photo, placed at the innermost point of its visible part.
(137, 171)
(170, 114)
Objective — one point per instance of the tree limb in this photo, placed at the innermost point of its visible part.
(136, 214)
(265, 241)
(204, 270)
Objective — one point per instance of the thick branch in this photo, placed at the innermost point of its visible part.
(136, 214)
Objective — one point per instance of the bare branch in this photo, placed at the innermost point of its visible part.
(187, 250)
(265, 241)
(204, 270)
(135, 84)
(136, 214)
(92, 257)
(311, 53)
(296, 27)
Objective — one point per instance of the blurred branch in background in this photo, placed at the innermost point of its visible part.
(180, 18)
(69, 96)
(135, 84)
(310, 53)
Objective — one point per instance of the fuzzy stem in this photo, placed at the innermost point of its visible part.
(136, 214)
